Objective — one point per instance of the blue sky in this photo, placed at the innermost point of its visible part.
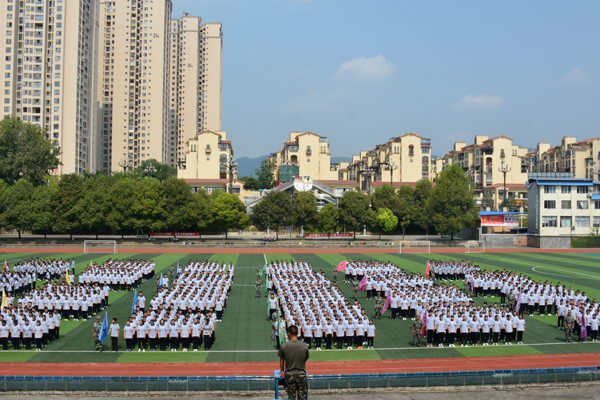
(361, 72)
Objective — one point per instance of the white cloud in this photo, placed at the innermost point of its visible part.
(480, 102)
(366, 68)
(577, 75)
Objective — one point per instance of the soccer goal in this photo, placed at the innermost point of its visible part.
(473, 246)
(99, 246)
(422, 246)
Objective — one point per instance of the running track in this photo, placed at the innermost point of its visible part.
(272, 250)
(313, 368)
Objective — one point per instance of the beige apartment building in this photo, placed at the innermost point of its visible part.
(304, 154)
(581, 158)
(402, 160)
(50, 73)
(484, 162)
(196, 77)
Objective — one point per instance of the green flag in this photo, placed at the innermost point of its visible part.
(267, 286)
(262, 270)
(281, 330)
(268, 308)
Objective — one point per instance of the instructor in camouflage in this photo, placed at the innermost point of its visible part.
(96, 332)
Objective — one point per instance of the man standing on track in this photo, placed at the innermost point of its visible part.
(292, 364)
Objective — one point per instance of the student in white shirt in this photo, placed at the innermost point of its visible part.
(520, 329)
(370, 335)
(128, 335)
(114, 334)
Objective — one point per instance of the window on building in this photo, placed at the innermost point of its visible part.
(566, 189)
(549, 204)
(565, 222)
(582, 222)
(549, 222)
(549, 189)
(582, 189)
(597, 205)
(582, 204)
(565, 204)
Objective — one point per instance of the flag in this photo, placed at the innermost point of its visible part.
(472, 284)
(582, 333)
(68, 278)
(342, 266)
(104, 331)
(424, 329)
(160, 284)
(427, 270)
(262, 270)
(4, 299)
(5, 266)
(267, 285)
(281, 329)
(518, 302)
(388, 301)
(363, 283)
(135, 300)
(178, 269)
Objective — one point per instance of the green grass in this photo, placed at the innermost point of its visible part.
(245, 332)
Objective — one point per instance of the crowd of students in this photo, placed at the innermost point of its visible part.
(118, 274)
(321, 312)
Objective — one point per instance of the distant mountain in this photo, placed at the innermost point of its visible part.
(337, 160)
(246, 166)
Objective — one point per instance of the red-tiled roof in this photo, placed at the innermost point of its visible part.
(497, 137)
(396, 184)
(508, 185)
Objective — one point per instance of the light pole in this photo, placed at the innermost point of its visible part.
(150, 170)
(232, 168)
(470, 174)
(504, 169)
(125, 164)
(392, 166)
(368, 172)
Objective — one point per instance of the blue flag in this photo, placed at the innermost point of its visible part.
(178, 270)
(160, 284)
(104, 330)
(135, 300)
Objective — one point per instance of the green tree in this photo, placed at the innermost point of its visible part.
(452, 204)
(178, 210)
(407, 207)
(250, 183)
(355, 211)
(149, 207)
(487, 201)
(422, 211)
(386, 196)
(273, 212)
(25, 153)
(386, 220)
(68, 193)
(201, 211)
(228, 212)
(154, 169)
(95, 205)
(41, 203)
(305, 210)
(328, 218)
(121, 218)
(16, 206)
(265, 174)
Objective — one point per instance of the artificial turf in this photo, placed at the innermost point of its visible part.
(245, 332)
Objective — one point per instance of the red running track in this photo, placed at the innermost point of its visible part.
(313, 368)
(271, 250)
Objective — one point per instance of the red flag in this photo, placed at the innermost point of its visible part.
(427, 270)
(5, 266)
(342, 266)
(363, 283)
(388, 301)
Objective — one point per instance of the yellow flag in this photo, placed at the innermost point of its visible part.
(4, 299)
(68, 279)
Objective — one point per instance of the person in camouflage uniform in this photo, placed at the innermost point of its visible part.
(258, 287)
(355, 288)
(378, 305)
(569, 326)
(417, 328)
(274, 331)
(510, 300)
(292, 365)
(466, 285)
(96, 332)
(334, 272)
(171, 274)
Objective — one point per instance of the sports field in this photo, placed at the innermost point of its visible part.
(244, 335)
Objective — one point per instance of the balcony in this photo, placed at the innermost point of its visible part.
(208, 150)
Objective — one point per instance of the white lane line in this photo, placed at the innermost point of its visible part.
(552, 268)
